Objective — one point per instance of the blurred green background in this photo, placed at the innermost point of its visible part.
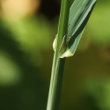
(27, 31)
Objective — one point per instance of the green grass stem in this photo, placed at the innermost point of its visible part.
(58, 63)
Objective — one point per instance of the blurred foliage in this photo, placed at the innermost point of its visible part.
(32, 34)
(26, 58)
(99, 24)
(9, 72)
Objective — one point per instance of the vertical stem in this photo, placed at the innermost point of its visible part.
(58, 64)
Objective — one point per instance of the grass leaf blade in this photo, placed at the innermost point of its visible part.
(79, 14)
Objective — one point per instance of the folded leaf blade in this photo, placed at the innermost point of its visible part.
(79, 14)
(79, 10)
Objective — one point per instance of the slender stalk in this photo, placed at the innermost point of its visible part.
(58, 64)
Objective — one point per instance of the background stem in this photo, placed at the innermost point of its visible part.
(58, 64)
